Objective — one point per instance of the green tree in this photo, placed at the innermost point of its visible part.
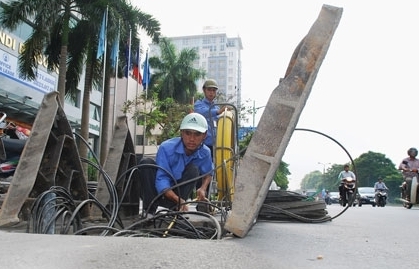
(164, 115)
(64, 28)
(121, 16)
(245, 111)
(313, 180)
(371, 165)
(368, 167)
(172, 87)
(174, 75)
(281, 176)
(50, 19)
(330, 178)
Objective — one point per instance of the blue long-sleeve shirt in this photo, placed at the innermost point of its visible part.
(204, 108)
(172, 158)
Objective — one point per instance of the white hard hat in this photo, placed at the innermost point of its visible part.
(194, 121)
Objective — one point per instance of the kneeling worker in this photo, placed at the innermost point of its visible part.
(178, 160)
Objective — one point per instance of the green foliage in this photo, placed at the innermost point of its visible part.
(368, 167)
(165, 115)
(371, 165)
(312, 181)
(174, 76)
(246, 109)
(244, 143)
(171, 89)
(92, 172)
(281, 174)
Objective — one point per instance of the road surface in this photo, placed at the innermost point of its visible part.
(362, 237)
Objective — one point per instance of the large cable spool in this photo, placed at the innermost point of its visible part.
(224, 156)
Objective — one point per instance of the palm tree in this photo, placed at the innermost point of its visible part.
(175, 76)
(51, 30)
(48, 20)
(121, 17)
(172, 86)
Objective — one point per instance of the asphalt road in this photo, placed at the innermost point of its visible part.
(362, 237)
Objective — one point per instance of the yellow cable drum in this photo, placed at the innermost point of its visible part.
(224, 156)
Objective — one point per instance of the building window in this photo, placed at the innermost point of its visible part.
(141, 140)
(94, 112)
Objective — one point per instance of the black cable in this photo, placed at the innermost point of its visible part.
(154, 226)
(350, 157)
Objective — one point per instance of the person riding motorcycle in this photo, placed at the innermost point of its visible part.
(342, 176)
(378, 186)
(409, 167)
(327, 198)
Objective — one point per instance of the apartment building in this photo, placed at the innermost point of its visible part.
(219, 55)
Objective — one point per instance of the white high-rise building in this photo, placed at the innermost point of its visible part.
(219, 55)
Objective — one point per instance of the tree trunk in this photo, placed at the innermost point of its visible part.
(85, 116)
(63, 57)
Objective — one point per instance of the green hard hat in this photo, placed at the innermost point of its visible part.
(210, 83)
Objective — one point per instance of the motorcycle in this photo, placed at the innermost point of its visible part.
(348, 185)
(409, 191)
(381, 197)
(12, 141)
(327, 199)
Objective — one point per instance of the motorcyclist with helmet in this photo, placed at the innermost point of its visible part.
(409, 167)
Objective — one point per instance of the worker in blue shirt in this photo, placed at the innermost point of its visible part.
(178, 160)
(210, 111)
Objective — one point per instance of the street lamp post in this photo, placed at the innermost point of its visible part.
(324, 166)
(324, 171)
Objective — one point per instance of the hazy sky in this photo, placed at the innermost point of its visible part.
(365, 95)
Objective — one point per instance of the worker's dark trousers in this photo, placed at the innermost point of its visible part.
(199, 182)
(148, 190)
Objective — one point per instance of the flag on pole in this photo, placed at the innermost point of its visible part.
(115, 51)
(102, 38)
(146, 72)
(136, 71)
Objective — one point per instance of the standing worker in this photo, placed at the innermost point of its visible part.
(206, 108)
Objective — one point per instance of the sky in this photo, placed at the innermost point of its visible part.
(364, 96)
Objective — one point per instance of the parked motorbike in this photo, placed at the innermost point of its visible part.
(381, 197)
(348, 189)
(12, 141)
(409, 198)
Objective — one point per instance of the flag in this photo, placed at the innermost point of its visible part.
(135, 71)
(102, 38)
(146, 72)
(115, 51)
